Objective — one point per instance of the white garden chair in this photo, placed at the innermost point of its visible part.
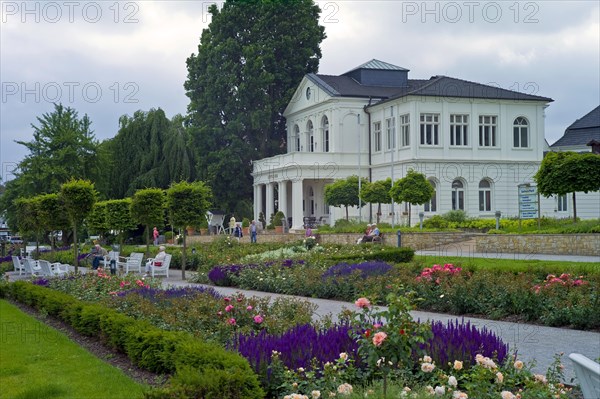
(112, 255)
(163, 269)
(31, 266)
(50, 269)
(588, 374)
(18, 264)
(133, 262)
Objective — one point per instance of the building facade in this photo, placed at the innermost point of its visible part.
(475, 143)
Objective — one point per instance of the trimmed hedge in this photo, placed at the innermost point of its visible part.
(199, 369)
(386, 254)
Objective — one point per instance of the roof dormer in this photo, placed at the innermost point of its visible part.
(379, 73)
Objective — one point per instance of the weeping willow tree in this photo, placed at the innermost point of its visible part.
(148, 151)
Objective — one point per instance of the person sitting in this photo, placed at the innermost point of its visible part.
(365, 237)
(98, 253)
(373, 232)
(157, 261)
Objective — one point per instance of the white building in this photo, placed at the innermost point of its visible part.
(475, 143)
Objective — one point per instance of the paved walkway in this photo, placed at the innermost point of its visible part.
(533, 342)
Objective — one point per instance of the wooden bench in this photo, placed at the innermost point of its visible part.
(378, 239)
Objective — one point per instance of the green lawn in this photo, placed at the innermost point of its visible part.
(37, 361)
(515, 265)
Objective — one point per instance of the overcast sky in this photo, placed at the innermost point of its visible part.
(109, 58)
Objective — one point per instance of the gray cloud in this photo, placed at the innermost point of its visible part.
(141, 64)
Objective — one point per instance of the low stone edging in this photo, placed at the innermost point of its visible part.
(550, 244)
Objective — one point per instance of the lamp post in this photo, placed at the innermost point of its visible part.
(421, 216)
(359, 171)
(498, 214)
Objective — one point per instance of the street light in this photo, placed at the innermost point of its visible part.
(359, 176)
(498, 215)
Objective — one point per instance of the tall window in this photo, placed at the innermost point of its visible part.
(390, 133)
(377, 136)
(431, 206)
(296, 138)
(562, 203)
(459, 132)
(325, 126)
(485, 196)
(520, 133)
(430, 126)
(487, 131)
(405, 130)
(311, 136)
(458, 195)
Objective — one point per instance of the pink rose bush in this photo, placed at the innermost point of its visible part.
(565, 280)
(436, 272)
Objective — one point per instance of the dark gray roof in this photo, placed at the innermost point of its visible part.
(436, 86)
(345, 86)
(582, 131)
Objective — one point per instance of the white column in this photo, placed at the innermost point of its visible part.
(282, 192)
(257, 200)
(270, 205)
(297, 196)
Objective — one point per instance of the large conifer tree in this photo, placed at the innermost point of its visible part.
(250, 60)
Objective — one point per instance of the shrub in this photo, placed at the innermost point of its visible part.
(365, 269)
(456, 216)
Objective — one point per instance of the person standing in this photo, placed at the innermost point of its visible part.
(253, 231)
(155, 235)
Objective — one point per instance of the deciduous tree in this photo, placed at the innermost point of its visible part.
(78, 197)
(250, 60)
(561, 173)
(187, 204)
(377, 192)
(148, 209)
(412, 188)
(343, 192)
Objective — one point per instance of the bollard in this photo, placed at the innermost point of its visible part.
(399, 238)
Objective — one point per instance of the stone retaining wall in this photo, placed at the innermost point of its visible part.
(413, 240)
(552, 244)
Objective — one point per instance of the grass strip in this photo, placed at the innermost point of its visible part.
(512, 265)
(37, 361)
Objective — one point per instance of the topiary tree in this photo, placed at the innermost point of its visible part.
(147, 208)
(561, 173)
(344, 192)
(26, 211)
(187, 204)
(118, 216)
(97, 220)
(78, 197)
(377, 192)
(412, 188)
(51, 215)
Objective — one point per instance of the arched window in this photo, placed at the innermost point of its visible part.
(431, 206)
(311, 136)
(458, 195)
(485, 196)
(521, 133)
(325, 138)
(296, 138)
